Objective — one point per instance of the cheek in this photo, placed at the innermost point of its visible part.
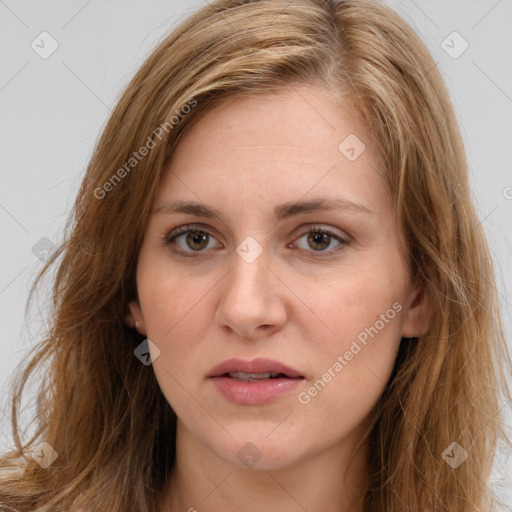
(168, 298)
(354, 359)
(355, 299)
(175, 319)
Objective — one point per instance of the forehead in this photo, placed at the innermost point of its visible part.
(298, 143)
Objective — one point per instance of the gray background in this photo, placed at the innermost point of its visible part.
(53, 110)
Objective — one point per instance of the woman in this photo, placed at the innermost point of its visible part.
(275, 293)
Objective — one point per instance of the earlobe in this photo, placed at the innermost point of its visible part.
(418, 314)
(134, 317)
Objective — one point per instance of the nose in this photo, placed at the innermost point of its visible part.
(252, 302)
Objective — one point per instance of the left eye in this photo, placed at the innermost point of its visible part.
(196, 241)
(321, 239)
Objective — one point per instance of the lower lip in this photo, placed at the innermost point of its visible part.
(254, 392)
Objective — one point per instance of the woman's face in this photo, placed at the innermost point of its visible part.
(256, 281)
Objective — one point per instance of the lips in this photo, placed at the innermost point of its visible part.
(254, 383)
(259, 369)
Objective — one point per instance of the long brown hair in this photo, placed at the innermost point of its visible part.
(102, 411)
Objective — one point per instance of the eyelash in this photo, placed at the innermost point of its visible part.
(191, 228)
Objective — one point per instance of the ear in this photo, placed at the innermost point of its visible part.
(418, 313)
(135, 318)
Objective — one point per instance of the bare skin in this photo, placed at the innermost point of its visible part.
(303, 301)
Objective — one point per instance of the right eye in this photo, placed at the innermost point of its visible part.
(187, 240)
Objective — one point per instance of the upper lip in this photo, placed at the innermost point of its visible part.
(260, 365)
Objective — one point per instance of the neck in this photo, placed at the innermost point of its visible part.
(200, 481)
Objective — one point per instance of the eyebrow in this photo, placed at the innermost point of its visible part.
(281, 212)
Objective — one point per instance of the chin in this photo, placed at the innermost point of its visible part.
(252, 450)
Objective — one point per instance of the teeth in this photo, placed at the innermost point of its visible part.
(253, 376)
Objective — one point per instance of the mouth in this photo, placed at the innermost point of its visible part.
(257, 377)
(254, 383)
(254, 370)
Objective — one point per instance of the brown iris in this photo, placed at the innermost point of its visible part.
(319, 238)
(195, 239)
